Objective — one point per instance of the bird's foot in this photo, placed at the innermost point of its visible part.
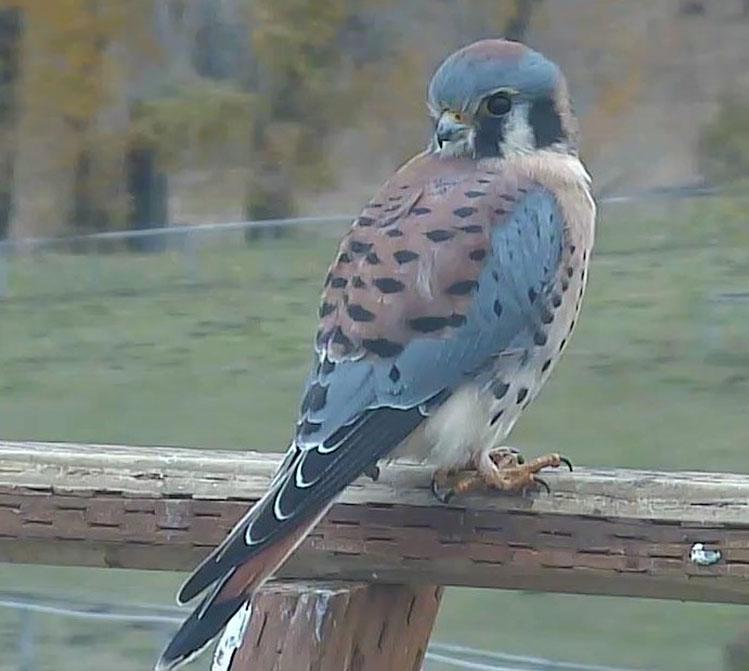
(503, 469)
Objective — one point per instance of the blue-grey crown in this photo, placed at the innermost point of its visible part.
(472, 73)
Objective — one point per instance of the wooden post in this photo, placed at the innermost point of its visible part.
(332, 626)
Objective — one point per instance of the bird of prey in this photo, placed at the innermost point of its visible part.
(448, 303)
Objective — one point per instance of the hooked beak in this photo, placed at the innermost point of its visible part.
(450, 128)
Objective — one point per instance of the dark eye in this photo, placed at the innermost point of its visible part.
(498, 104)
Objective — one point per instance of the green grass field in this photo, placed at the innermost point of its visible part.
(125, 348)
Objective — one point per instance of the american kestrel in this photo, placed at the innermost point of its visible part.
(448, 303)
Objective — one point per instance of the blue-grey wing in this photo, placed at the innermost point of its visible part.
(388, 352)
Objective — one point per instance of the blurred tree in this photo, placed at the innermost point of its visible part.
(724, 143)
(10, 45)
(307, 87)
(517, 25)
(74, 82)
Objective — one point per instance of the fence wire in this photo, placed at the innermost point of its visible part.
(439, 655)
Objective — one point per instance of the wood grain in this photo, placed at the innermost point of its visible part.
(600, 532)
(320, 626)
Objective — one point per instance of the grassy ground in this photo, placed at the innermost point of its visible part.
(154, 350)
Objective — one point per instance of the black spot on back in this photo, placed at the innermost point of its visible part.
(497, 308)
(477, 254)
(394, 233)
(343, 257)
(539, 338)
(522, 393)
(340, 338)
(532, 295)
(308, 427)
(428, 324)
(357, 282)
(464, 212)
(338, 282)
(461, 288)
(326, 309)
(439, 235)
(546, 365)
(394, 373)
(405, 255)
(372, 258)
(431, 324)
(388, 285)
(316, 397)
(365, 221)
(359, 247)
(499, 389)
(359, 313)
(474, 194)
(472, 228)
(496, 417)
(420, 210)
(382, 347)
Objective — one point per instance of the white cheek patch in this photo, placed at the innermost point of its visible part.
(518, 135)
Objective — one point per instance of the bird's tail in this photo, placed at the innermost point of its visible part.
(299, 495)
(230, 594)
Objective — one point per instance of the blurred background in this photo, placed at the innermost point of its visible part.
(138, 307)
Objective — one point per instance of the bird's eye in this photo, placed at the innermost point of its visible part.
(498, 104)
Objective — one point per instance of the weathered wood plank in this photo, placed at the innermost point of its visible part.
(321, 626)
(600, 532)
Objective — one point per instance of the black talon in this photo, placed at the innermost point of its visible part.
(566, 462)
(543, 483)
(373, 472)
(441, 497)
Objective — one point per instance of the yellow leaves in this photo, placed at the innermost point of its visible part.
(199, 121)
(295, 37)
(70, 45)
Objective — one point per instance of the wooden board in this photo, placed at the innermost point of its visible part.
(600, 532)
(327, 626)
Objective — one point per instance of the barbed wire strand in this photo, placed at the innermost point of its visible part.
(451, 648)
(459, 656)
(186, 230)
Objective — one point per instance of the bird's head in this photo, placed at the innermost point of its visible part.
(495, 98)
